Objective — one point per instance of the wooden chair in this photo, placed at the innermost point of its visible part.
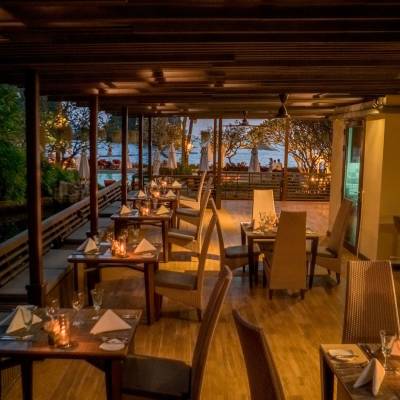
(191, 202)
(185, 287)
(371, 303)
(232, 256)
(286, 267)
(186, 238)
(261, 370)
(263, 202)
(161, 378)
(192, 215)
(330, 255)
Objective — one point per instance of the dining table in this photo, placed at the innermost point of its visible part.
(249, 236)
(24, 349)
(348, 369)
(144, 262)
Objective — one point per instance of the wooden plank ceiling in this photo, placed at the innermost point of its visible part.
(205, 58)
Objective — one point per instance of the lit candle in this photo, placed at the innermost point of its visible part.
(64, 336)
(156, 194)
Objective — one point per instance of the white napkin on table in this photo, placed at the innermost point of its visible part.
(374, 372)
(162, 210)
(141, 194)
(340, 353)
(144, 246)
(176, 185)
(109, 322)
(17, 321)
(153, 183)
(170, 195)
(88, 246)
(124, 210)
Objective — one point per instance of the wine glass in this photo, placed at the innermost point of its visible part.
(387, 340)
(97, 298)
(78, 300)
(27, 317)
(52, 308)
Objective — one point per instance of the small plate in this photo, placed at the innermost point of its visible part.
(112, 345)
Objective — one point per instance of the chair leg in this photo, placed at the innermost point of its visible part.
(270, 293)
(199, 314)
(255, 269)
(159, 301)
(338, 278)
(244, 268)
(302, 293)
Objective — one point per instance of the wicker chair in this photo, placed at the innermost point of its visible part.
(191, 202)
(186, 238)
(192, 215)
(286, 267)
(172, 379)
(263, 202)
(184, 287)
(370, 302)
(330, 256)
(261, 370)
(232, 256)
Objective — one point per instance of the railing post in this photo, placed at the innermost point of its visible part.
(285, 162)
(149, 149)
(214, 170)
(124, 158)
(219, 170)
(94, 207)
(140, 152)
(36, 289)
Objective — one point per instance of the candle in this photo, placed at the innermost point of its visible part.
(156, 194)
(145, 210)
(64, 335)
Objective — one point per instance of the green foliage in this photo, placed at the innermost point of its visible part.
(12, 172)
(53, 174)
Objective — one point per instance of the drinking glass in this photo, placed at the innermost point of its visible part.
(78, 301)
(97, 298)
(27, 317)
(387, 340)
(52, 308)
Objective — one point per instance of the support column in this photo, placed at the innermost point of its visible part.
(37, 288)
(94, 208)
(215, 139)
(218, 182)
(149, 150)
(124, 158)
(285, 161)
(140, 148)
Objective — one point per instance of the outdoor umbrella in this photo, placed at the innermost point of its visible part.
(254, 165)
(171, 162)
(84, 170)
(204, 158)
(156, 162)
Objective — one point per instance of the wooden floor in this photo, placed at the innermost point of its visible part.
(294, 328)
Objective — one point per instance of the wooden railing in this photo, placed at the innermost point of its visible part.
(14, 254)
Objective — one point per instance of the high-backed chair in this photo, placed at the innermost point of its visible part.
(192, 215)
(191, 202)
(185, 287)
(164, 378)
(186, 238)
(286, 267)
(263, 202)
(329, 256)
(371, 303)
(232, 256)
(261, 370)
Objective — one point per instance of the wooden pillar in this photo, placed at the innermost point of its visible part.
(215, 144)
(140, 148)
(285, 161)
(94, 208)
(149, 150)
(36, 288)
(218, 182)
(124, 158)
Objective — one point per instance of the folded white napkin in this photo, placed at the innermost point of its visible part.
(340, 353)
(17, 321)
(153, 183)
(170, 195)
(141, 194)
(162, 210)
(144, 246)
(88, 246)
(374, 372)
(109, 322)
(124, 210)
(176, 185)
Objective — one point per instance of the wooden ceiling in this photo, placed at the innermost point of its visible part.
(205, 58)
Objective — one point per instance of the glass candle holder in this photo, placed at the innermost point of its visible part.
(122, 247)
(63, 339)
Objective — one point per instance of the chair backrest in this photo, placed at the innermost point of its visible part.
(203, 206)
(207, 330)
(263, 202)
(201, 184)
(371, 303)
(288, 270)
(336, 238)
(261, 370)
(219, 232)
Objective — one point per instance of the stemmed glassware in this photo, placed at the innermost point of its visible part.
(97, 298)
(78, 301)
(387, 341)
(52, 308)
